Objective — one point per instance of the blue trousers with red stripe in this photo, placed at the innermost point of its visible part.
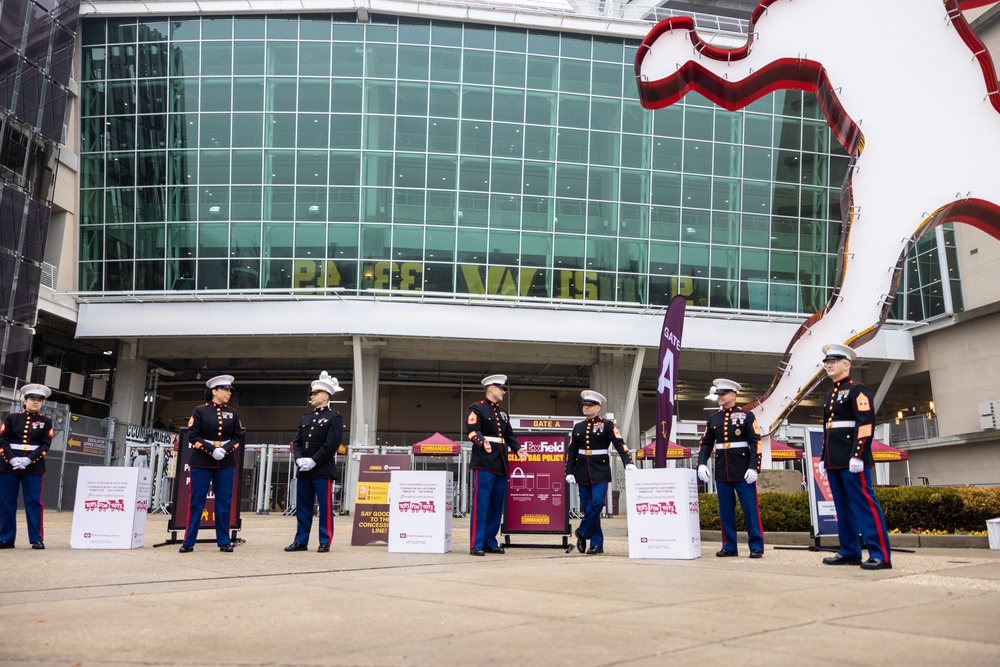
(488, 494)
(747, 493)
(592, 501)
(10, 484)
(308, 491)
(858, 512)
(221, 481)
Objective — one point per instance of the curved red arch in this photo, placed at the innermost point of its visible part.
(811, 76)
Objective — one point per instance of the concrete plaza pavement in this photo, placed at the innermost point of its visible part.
(364, 606)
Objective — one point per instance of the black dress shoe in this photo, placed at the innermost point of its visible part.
(6, 545)
(495, 550)
(476, 552)
(595, 550)
(756, 554)
(38, 545)
(226, 548)
(296, 546)
(725, 553)
(323, 549)
(581, 544)
(840, 560)
(875, 564)
(185, 549)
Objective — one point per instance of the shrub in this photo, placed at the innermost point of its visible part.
(940, 509)
(778, 512)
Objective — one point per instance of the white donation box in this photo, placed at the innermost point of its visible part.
(663, 513)
(420, 509)
(110, 508)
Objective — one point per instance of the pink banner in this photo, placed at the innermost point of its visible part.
(536, 490)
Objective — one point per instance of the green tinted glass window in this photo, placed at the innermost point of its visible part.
(248, 58)
(574, 76)
(217, 58)
(314, 59)
(412, 99)
(348, 58)
(477, 102)
(411, 134)
(540, 108)
(446, 64)
(508, 140)
(248, 166)
(310, 240)
(282, 58)
(508, 105)
(510, 70)
(568, 251)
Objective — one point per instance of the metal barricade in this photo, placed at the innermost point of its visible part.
(273, 478)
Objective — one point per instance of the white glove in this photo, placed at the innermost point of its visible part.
(20, 462)
(218, 453)
(298, 463)
(631, 466)
(822, 469)
(571, 479)
(307, 465)
(856, 465)
(751, 476)
(703, 474)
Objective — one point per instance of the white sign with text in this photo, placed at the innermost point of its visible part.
(110, 508)
(420, 511)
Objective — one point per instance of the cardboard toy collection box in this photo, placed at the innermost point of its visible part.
(663, 519)
(420, 511)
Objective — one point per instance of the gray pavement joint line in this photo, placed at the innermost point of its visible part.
(262, 575)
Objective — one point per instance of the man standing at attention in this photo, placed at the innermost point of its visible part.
(848, 420)
(731, 436)
(488, 427)
(588, 465)
(315, 448)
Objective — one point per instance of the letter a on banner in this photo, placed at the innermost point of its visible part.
(666, 390)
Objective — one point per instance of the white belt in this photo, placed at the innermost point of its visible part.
(848, 423)
(492, 438)
(731, 445)
(594, 452)
(25, 448)
(219, 443)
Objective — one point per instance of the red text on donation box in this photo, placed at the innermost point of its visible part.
(536, 490)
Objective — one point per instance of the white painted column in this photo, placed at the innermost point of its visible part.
(364, 392)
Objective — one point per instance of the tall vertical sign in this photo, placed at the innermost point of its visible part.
(666, 388)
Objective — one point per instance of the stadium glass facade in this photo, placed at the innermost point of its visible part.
(36, 58)
(314, 152)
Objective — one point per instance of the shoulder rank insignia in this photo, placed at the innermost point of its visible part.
(863, 404)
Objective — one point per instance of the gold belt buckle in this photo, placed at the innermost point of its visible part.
(725, 445)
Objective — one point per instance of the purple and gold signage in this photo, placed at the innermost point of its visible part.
(371, 500)
(536, 490)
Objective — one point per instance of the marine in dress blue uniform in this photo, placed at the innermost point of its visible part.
(487, 426)
(215, 435)
(25, 438)
(588, 465)
(848, 422)
(731, 437)
(314, 449)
